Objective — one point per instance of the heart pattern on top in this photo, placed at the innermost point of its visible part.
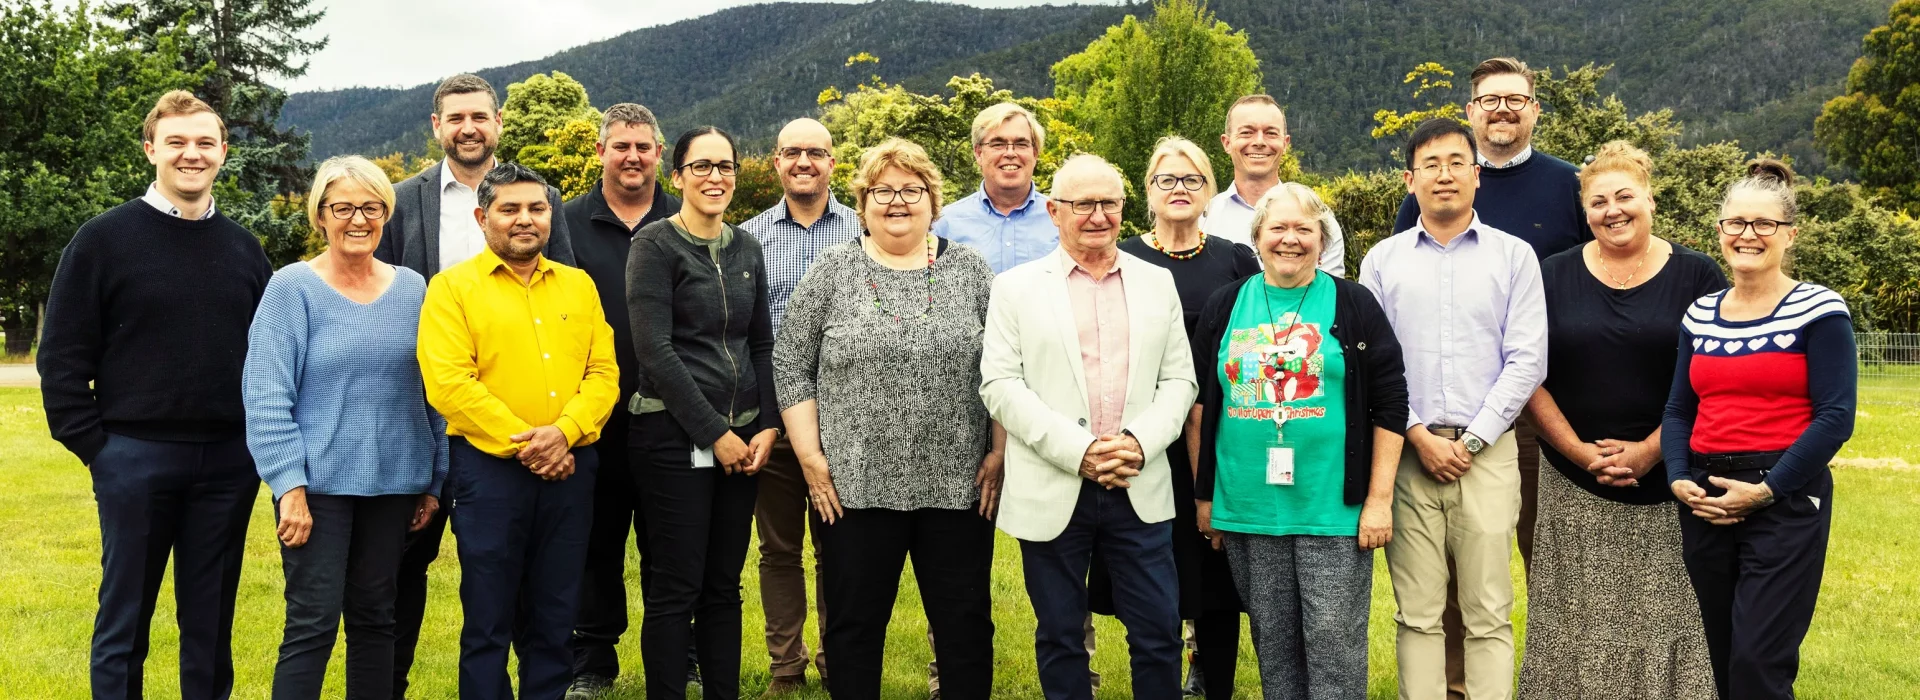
(1697, 342)
(1712, 345)
(1784, 340)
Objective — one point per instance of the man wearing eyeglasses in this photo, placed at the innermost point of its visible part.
(603, 220)
(1466, 302)
(1256, 140)
(1086, 365)
(1536, 198)
(1006, 220)
(807, 220)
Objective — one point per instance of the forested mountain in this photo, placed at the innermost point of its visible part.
(1755, 70)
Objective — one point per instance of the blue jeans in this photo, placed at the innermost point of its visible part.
(1146, 596)
(523, 547)
(190, 500)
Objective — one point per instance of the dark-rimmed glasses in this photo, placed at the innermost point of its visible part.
(1760, 227)
(703, 168)
(911, 194)
(1186, 182)
(344, 211)
(1084, 207)
(794, 153)
(1493, 102)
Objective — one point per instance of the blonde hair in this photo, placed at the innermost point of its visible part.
(355, 169)
(896, 153)
(1176, 146)
(1003, 113)
(1618, 157)
(1303, 197)
(1262, 99)
(178, 103)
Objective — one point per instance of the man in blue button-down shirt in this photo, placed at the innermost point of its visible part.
(1006, 219)
(1466, 302)
(792, 233)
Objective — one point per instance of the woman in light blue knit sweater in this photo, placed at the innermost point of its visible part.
(340, 429)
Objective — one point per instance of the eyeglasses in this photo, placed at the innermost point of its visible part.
(998, 145)
(911, 194)
(1084, 207)
(1431, 172)
(344, 211)
(703, 168)
(1493, 102)
(793, 153)
(1760, 227)
(1186, 182)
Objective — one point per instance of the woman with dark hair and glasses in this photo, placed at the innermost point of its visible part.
(878, 367)
(704, 416)
(1178, 185)
(1763, 397)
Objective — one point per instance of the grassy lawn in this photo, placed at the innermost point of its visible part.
(49, 568)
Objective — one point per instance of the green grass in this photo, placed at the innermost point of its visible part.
(49, 568)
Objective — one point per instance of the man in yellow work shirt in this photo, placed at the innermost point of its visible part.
(518, 356)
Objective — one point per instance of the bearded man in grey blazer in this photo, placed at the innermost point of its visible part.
(1086, 365)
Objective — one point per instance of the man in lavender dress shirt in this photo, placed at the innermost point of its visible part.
(1086, 365)
(1466, 302)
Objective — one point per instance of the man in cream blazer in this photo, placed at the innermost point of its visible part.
(1086, 366)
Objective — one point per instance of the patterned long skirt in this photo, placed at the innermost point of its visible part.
(1610, 612)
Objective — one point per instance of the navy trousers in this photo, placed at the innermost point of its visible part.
(523, 544)
(345, 569)
(1146, 596)
(1757, 582)
(190, 500)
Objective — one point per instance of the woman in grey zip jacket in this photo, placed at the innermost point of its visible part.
(704, 416)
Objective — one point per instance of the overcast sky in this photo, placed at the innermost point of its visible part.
(382, 43)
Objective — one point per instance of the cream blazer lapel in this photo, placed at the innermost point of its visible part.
(1057, 267)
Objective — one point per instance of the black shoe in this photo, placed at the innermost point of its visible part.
(588, 686)
(1196, 679)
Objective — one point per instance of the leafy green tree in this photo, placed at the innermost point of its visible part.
(537, 106)
(1433, 78)
(1875, 127)
(566, 158)
(1577, 119)
(241, 45)
(1176, 73)
(73, 91)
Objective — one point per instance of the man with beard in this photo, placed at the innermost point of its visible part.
(516, 352)
(432, 228)
(1256, 140)
(602, 221)
(792, 233)
(1006, 220)
(1534, 197)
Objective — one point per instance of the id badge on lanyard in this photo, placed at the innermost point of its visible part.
(1279, 457)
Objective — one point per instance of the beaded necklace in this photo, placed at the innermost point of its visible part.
(1154, 240)
(875, 286)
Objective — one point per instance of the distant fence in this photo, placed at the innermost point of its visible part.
(1889, 368)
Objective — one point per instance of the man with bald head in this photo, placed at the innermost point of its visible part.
(1086, 367)
(792, 232)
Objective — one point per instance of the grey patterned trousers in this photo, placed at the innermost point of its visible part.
(1308, 598)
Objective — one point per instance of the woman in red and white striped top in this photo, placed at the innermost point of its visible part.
(1763, 396)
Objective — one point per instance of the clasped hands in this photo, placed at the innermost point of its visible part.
(546, 452)
(1740, 500)
(1113, 459)
(1617, 462)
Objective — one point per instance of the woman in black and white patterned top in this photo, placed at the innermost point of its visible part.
(878, 371)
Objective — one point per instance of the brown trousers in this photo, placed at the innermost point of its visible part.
(783, 517)
(1456, 630)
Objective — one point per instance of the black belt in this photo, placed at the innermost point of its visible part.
(1729, 462)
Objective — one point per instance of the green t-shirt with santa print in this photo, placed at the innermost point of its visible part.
(1282, 376)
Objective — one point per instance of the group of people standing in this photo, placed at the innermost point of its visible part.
(1204, 421)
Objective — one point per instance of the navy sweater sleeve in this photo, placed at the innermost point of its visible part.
(1206, 359)
(1676, 427)
(1409, 215)
(1833, 379)
(70, 349)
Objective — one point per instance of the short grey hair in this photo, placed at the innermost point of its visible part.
(630, 113)
(1309, 202)
(1084, 160)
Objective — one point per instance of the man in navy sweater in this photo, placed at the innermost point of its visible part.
(146, 335)
(1535, 197)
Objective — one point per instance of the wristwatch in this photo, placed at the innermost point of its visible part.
(1474, 443)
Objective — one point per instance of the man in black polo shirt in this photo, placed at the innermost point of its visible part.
(140, 365)
(603, 220)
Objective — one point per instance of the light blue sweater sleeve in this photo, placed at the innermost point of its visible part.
(276, 354)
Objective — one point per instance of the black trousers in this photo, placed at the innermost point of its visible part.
(187, 500)
(522, 543)
(862, 556)
(699, 523)
(603, 588)
(348, 567)
(1757, 582)
(410, 599)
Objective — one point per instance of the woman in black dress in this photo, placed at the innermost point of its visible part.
(1606, 563)
(1179, 183)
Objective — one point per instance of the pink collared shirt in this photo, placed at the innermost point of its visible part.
(1100, 312)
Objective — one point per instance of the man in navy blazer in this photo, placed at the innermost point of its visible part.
(433, 228)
